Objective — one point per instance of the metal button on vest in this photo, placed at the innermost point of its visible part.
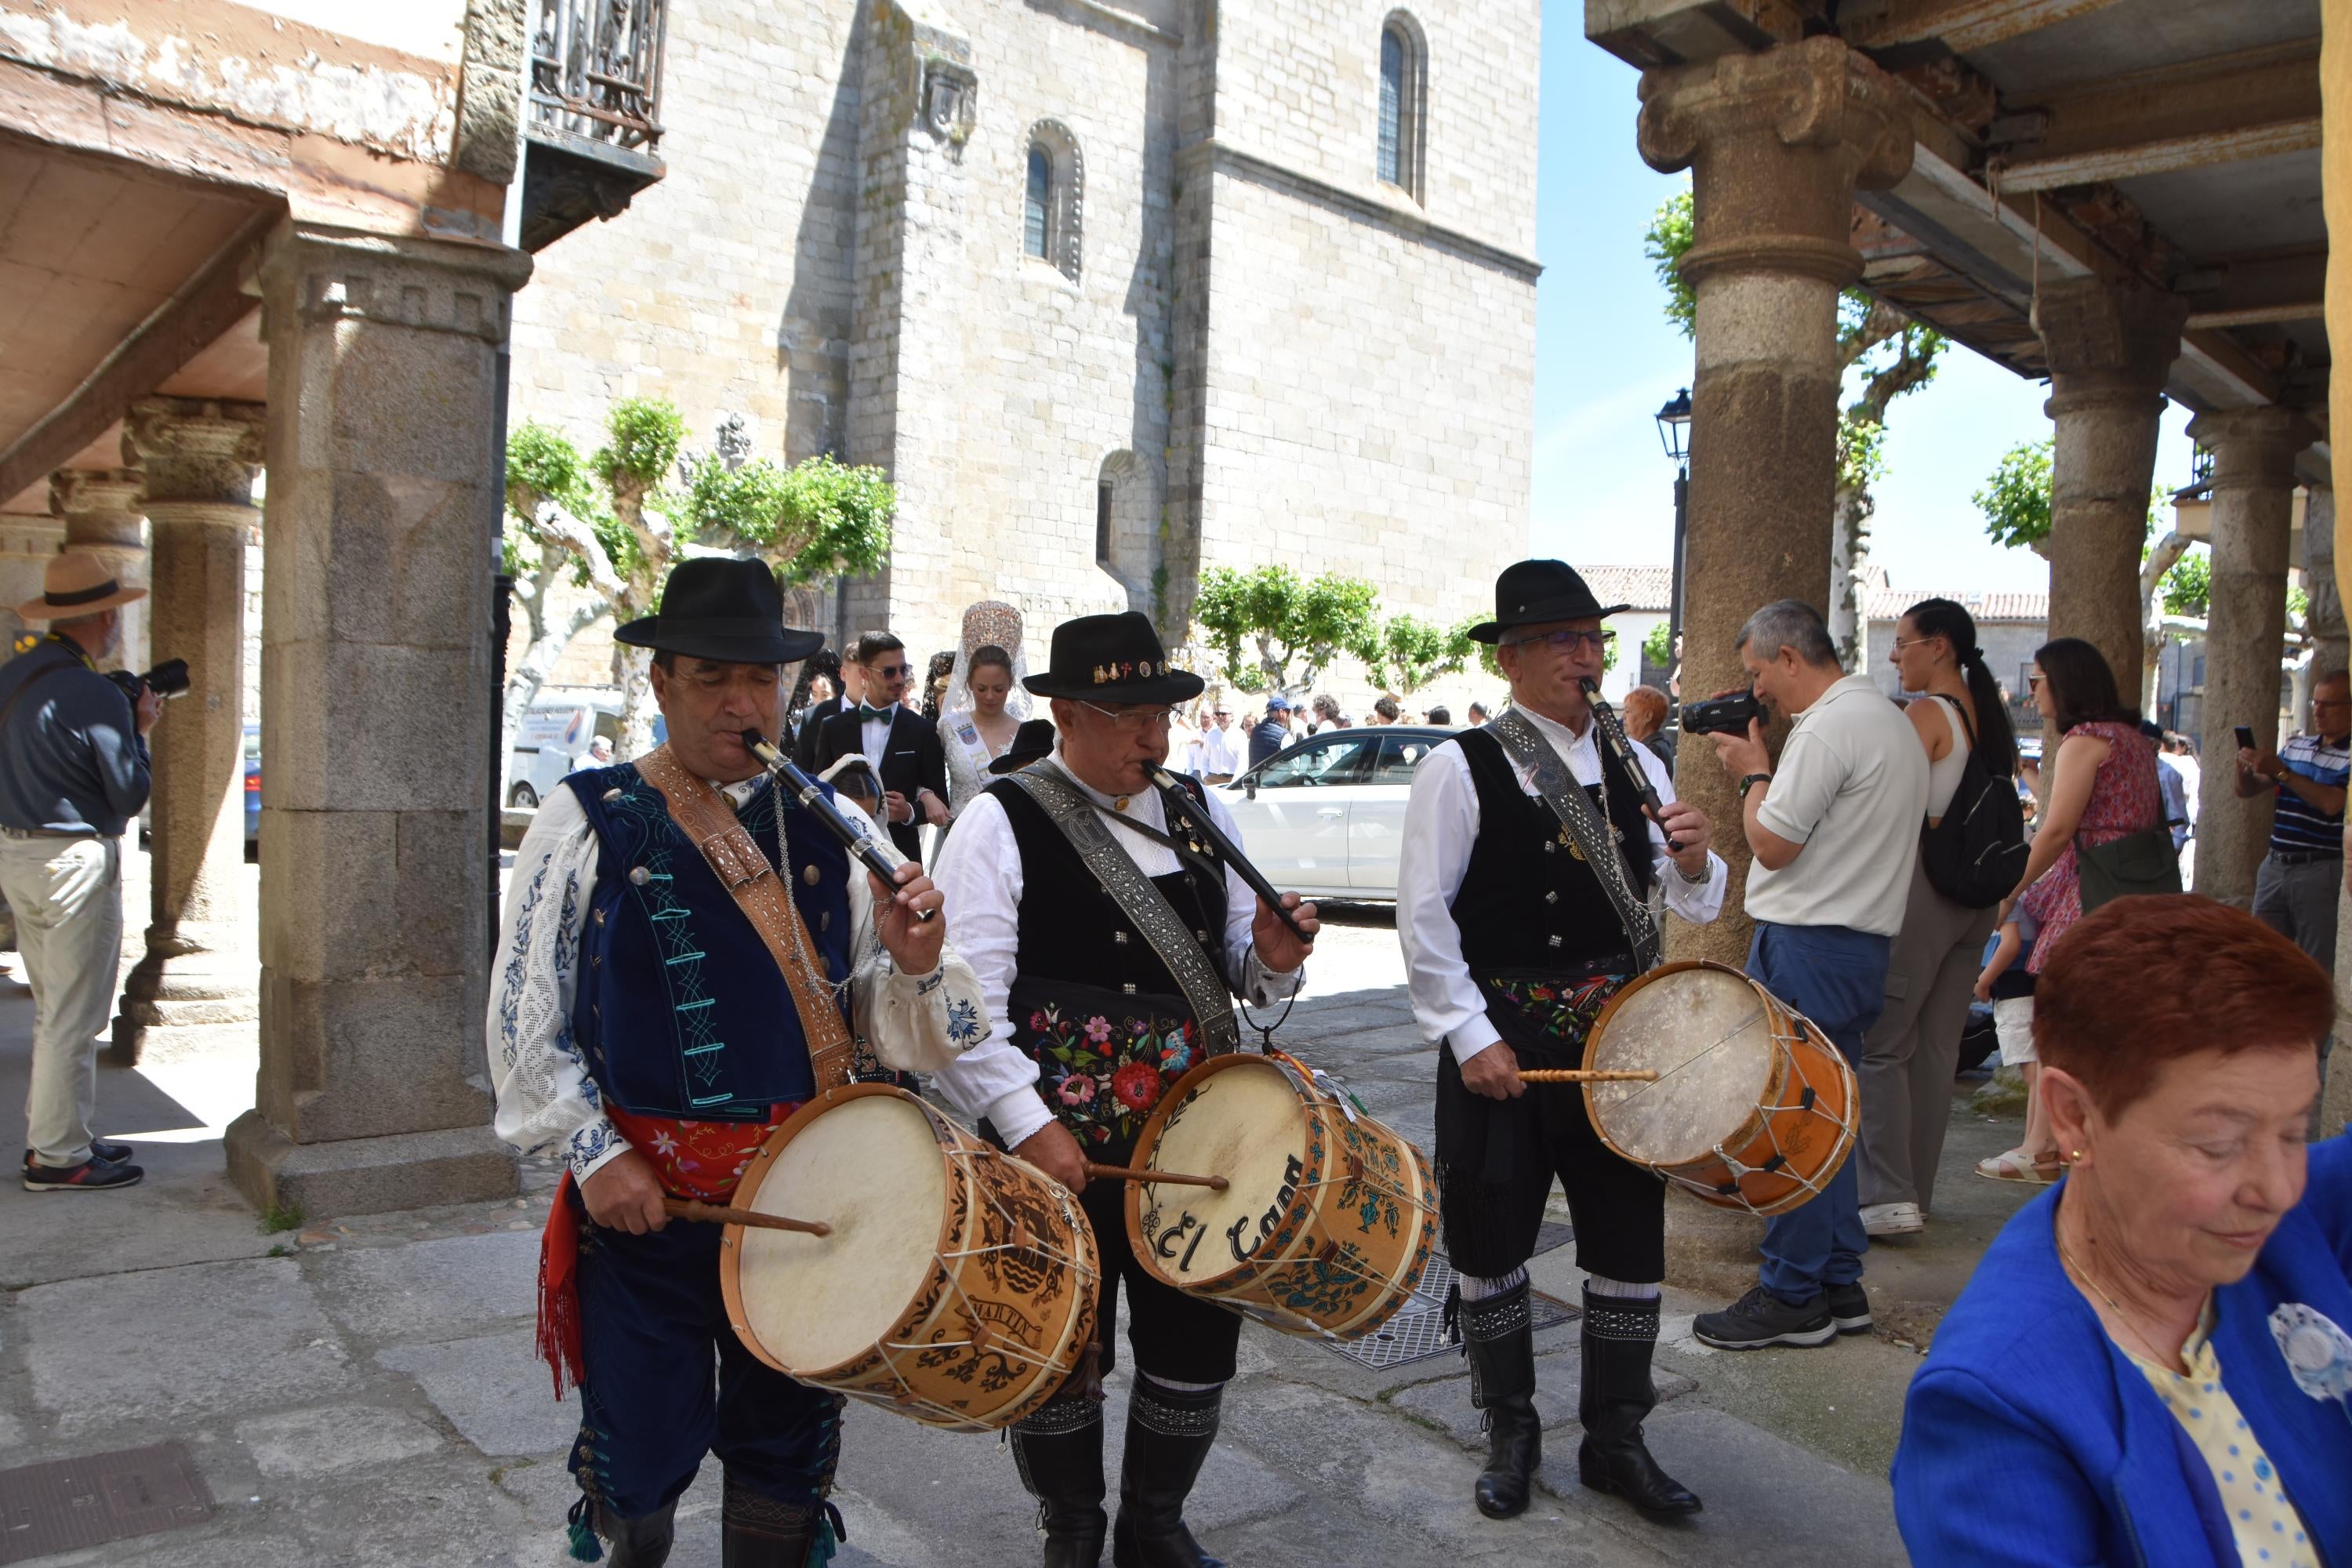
(824, 921)
(1200, 936)
(1128, 988)
(611, 795)
(1118, 937)
(1552, 896)
(811, 875)
(1554, 941)
(640, 876)
(1551, 845)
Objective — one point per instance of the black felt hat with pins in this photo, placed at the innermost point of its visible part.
(1113, 659)
(1537, 592)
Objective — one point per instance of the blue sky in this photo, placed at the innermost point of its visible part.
(1606, 358)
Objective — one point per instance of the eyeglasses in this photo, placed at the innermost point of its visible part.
(888, 670)
(2033, 682)
(1567, 641)
(1135, 717)
(2332, 702)
(1902, 642)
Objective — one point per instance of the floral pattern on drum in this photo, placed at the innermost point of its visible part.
(1103, 1076)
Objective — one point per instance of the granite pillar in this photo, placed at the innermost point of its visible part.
(380, 523)
(1776, 143)
(102, 509)
(2110, 346)
(2245, 631)
(27, 546)
(199, 977)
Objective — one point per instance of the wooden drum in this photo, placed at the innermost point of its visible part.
(959, 1286)
(1752, 1108)
(1329, 1217)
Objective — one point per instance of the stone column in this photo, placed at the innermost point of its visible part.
(102, 508)
(2110, 346)
(2245, 630)
(1777, 145)
(197, 979)
(27, 544)
(380, 521)
(2332, 642)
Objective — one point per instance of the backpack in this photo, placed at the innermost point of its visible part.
(1976, 854)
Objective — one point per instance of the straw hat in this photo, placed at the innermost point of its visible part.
(75, 584)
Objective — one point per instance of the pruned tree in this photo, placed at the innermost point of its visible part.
(1411, 653)
(1293, 628)
(1891, 353)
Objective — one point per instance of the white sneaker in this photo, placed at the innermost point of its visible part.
(1892, 1219)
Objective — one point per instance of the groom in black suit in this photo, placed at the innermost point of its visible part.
(903, 745)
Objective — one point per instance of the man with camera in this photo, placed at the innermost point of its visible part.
(73, 777)
(1833, 829)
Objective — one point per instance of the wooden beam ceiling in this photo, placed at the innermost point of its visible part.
(2164, 157)
(1959, 24)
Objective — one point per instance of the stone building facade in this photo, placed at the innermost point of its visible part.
(1213, 333)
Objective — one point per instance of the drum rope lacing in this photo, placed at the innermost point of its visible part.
(1779, 1163)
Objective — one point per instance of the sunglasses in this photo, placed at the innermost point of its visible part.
(889, 671)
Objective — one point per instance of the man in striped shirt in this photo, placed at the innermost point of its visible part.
(2294, 891)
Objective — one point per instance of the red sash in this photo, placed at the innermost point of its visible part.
(691, 1159)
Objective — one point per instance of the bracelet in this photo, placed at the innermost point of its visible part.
(1705, 870)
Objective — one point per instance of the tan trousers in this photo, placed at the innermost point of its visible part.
(67, 894)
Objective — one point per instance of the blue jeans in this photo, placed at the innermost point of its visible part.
(1836, 977)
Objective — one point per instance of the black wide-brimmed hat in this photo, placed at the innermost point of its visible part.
(1113, 659)
(717, 607)
(1033, 739)
(1530, 592)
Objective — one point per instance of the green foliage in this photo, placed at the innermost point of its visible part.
(2188, 588)
(282, 1217)
(2298, 608)
(1670, 234)
(1861, 452)
(2015, 500)
(542, 465)
(643, 436)
(1658, 648)
(1293, 623)
(1413, 653)
(817, 518)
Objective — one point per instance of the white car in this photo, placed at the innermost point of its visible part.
(1325, 816)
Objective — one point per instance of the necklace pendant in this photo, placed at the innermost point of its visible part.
(1119, 804)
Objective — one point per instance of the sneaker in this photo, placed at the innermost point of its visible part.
(1760, 1318)
(1892, 1219)
(100, 1148)
(1849, 1307)
(91, 1175)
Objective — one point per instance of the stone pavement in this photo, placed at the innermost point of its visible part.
(365, 1393)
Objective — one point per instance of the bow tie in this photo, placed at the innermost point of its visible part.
(864, 712)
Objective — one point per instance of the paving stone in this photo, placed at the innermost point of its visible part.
(146, 1349)
(449, 1289)
(495, 1390)
(334, 1438)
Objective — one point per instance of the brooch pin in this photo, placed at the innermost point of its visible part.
(2317, 1353)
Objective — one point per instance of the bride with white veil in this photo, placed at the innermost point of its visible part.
(985, 701)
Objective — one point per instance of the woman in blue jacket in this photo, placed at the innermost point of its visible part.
(2151, 1364)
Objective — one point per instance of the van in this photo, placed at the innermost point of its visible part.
(555, 730)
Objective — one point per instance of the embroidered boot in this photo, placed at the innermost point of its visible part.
(1168, 1434)
(758, 1532)
(1058, 1451)
(1616, 1395)
(640, 1542)
(1501, 1345)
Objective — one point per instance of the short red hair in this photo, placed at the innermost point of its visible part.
(2144, 980)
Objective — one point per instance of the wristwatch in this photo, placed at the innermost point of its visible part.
(1750, 780)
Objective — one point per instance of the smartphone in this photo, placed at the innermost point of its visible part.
(2245, 738)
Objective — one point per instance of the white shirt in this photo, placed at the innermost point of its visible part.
(874, 735)
(979, 875)
(1220, 752)
(545, 1095)
(1852, 788)
(1441, 826)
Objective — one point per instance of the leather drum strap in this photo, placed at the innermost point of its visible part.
(703, 815)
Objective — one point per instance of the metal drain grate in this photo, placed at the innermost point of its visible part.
(1419, 1331)
(66, 1504)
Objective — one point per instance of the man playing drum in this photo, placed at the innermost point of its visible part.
(659, 1005)
(1109, 945)
(1522, 904)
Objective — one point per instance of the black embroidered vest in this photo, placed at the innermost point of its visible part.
(1528, 900)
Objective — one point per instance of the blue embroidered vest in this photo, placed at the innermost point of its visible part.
(681, 1010)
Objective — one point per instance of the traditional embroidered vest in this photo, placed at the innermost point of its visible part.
(681, 1010)
(1092, 1003)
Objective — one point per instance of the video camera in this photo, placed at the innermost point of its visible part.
(1722, 715)
(169, 678)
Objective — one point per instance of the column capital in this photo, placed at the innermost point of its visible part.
(427, 285)
(1805, 125)
(2107, 340)
(76, 491)
(2254, 448)
(196, 450)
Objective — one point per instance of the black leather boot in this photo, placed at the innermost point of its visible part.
(1501, 1345)
(757, 1532)
(1168, 1434)
(1616, 1395)
(640, 1542)
(1058, 1451)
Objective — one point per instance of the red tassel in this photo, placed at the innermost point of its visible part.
(559, 1292)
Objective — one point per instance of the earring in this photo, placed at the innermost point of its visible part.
(2078, 1156)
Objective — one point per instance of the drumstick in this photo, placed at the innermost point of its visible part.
(713, 1213)
(1129, 1174)
(1581, 1074)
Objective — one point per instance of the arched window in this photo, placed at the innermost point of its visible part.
(1398, 159)
(1054, 198)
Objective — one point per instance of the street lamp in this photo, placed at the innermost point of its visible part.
(1673, 434)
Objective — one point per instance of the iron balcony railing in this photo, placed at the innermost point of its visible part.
(596, 71)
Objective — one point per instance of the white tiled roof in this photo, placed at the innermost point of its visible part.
(1642, 587)
(1888, 603)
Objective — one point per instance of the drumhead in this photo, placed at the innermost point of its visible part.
(1243, 1123)
(871, 1168)
(1705, 1033)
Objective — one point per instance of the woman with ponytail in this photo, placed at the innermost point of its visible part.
(1909, 1055)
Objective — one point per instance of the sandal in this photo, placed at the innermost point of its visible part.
(2017, 1165)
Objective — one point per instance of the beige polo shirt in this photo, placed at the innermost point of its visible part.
(1852, 787)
